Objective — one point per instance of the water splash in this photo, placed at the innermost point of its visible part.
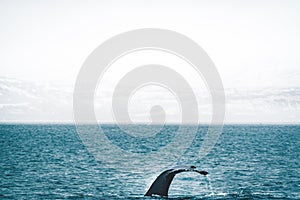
(209, 186)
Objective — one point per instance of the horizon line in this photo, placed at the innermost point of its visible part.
(143, 123)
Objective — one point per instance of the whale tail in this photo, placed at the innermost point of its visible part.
(162, 183)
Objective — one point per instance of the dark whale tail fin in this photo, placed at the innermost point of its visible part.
(162, 183)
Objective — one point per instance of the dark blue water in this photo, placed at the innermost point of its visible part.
(51, 162)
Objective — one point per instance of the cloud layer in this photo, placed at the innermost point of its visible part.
(25, 101)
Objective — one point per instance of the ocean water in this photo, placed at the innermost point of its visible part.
(43, 161)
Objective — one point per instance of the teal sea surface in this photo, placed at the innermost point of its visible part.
(49, 161)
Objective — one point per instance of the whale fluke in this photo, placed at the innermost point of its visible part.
(162, 183)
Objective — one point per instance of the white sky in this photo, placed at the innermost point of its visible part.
(254, 44)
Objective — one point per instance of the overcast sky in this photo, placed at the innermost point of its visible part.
(254, 45)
